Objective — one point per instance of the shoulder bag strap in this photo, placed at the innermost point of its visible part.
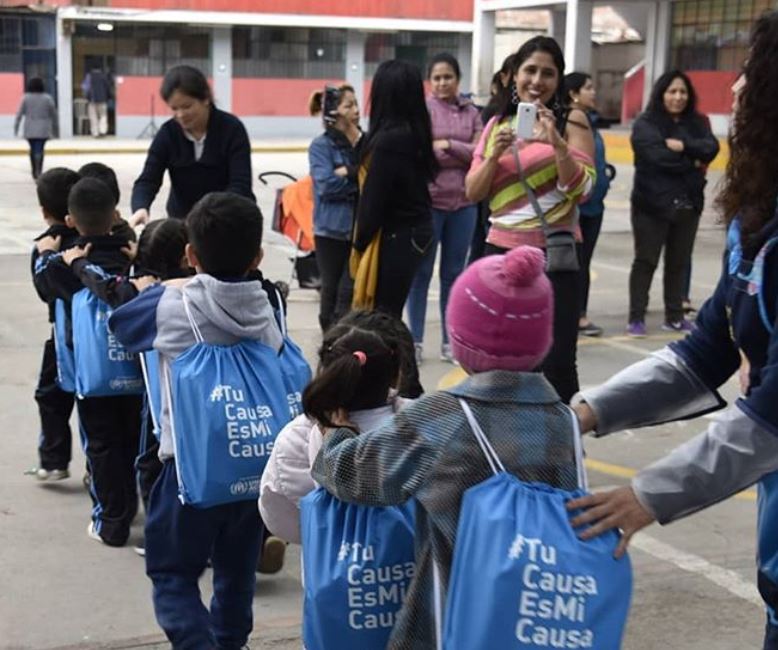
(533, 199)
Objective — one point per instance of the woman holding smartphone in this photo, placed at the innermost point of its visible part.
(333, 163)
(557, 164)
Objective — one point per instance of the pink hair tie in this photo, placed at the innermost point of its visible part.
(361, 357)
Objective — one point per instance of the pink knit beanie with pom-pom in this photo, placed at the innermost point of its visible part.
(501, 311)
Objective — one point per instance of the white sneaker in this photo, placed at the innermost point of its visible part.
(52, 474)
(419, 348)
(92, 533)
(445, 353)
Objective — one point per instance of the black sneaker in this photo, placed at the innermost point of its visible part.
(590, 329)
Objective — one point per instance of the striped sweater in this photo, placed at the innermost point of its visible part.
(513, 219)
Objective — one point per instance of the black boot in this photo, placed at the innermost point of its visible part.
(37, 165)
(40, 164)
(34, 165)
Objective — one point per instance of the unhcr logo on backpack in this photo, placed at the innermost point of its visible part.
(247, 487)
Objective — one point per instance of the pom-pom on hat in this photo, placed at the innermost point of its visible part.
(501, 311)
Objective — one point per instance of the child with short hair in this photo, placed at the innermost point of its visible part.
(227, 306)
(111, 425)
(499, 318)
(120, 228)
(54, 404)
(368, 392)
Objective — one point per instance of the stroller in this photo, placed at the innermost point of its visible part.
(293, 218)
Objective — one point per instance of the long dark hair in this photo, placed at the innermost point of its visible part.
(397, 100)
(537, 44)
(656, 103)
(751, 180)
(356, 371)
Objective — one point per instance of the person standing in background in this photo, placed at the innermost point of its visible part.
(40, 121)
(580, 94)
(98, 90)
(456, 128)
(672, 143)
(333, 157)
(394, 215)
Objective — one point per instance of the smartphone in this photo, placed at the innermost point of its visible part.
(330, 104)
(526, 114)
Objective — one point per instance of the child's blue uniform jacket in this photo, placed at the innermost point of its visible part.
(735, 330)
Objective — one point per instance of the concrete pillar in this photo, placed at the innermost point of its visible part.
(558, 23)
(355, 63)
(657, 44)
(464, 56)
(484, 26)
(221, 66)
(578, 36)
(64, 78)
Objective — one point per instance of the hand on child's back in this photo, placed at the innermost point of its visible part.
(75, 253)
(130, 250)
(48, 243)
(339, 418)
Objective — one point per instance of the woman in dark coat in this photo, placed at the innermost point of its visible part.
(202, 148)
(672, 143)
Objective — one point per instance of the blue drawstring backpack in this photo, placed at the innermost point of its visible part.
(547, 588)
(104, 367)
(66, 365)
(358, 562)
(149, 364)
(294, 367)
(227, 405)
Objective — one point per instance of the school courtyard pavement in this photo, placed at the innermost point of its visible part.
(694, 580)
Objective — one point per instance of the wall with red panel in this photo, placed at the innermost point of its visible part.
(427, 9)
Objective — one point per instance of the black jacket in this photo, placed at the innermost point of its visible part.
(225, 165)
(662, 176)
(395, 194)
(69, 238)
(54, 279)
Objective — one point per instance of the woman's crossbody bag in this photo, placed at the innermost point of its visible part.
(561, 253)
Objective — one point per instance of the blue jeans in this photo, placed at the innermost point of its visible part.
(179, 541)
(454, 230)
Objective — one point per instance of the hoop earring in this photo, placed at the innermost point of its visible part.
(514, 95)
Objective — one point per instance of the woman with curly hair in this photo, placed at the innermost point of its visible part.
(735, 331)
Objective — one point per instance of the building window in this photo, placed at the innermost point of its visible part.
(713, 34)
(10, 45)
(150, 50)
(288, 52)
(414, 47)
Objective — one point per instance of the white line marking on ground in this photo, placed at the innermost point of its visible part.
(720, 576)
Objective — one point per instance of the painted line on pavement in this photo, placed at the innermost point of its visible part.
(720, 576)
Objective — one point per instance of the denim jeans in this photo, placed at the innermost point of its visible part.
(454, 230)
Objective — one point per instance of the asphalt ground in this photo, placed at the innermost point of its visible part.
(694, 580)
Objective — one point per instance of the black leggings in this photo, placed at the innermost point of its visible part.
(400, 255)
(560, 365)
(332, 257)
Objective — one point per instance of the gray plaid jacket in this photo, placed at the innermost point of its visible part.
(428, 452)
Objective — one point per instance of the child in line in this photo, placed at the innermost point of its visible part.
(54, 404)
(120, 228)
(365, 390)
(499, 320)
(110, 425)
(225, 236)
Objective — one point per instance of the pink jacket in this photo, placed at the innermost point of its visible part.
(459, 122)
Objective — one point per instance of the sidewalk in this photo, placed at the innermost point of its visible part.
(111, 145)
(616, 143)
